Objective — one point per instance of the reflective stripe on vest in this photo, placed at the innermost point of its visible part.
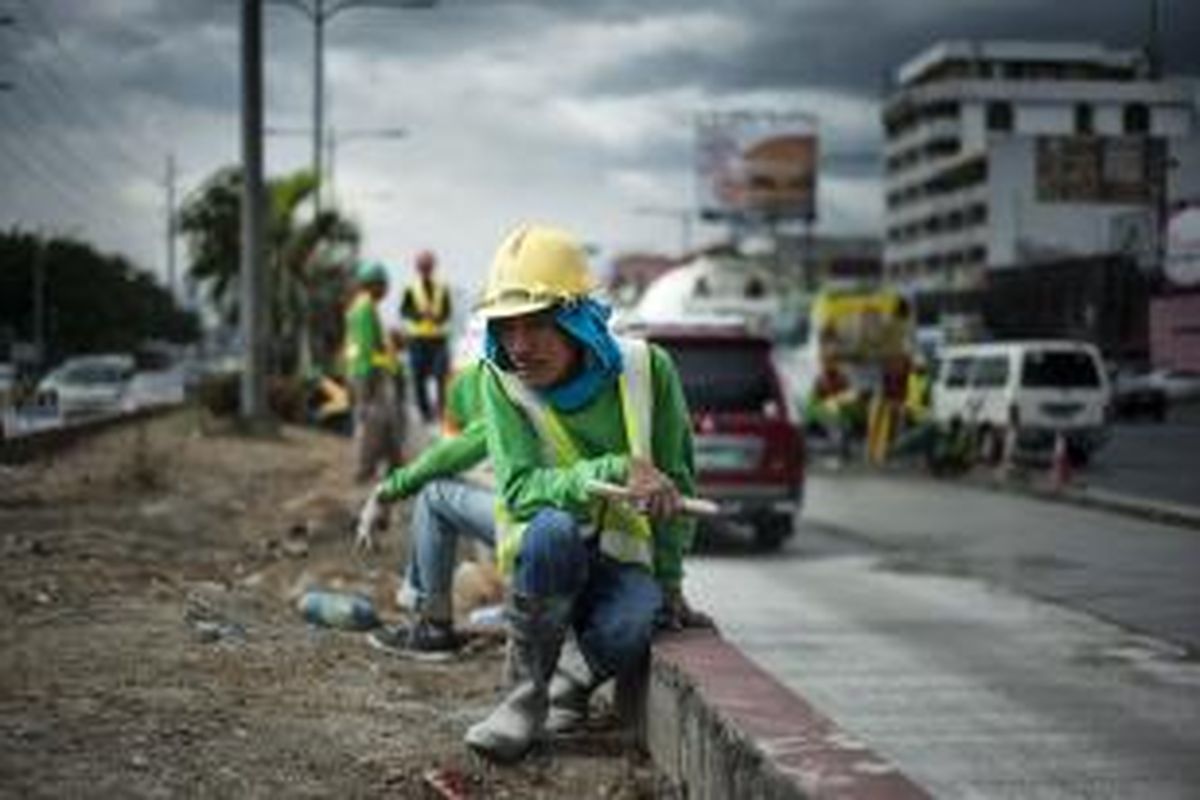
(427, 303)
(625, 534)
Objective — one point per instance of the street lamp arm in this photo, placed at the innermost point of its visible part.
(303, 8)
(369, 133)
(345, 5)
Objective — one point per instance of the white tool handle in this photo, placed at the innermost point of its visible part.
(696, 506)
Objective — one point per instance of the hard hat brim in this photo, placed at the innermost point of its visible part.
(514, 307)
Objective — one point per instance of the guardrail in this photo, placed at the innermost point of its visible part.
(39, 442)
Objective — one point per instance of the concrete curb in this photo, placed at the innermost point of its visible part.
(40, 444)
(720, 728)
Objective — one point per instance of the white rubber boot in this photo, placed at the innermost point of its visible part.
(536, 637)
(570, 693)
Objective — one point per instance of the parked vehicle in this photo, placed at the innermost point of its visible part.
(1180, 385)
(87, 385)
(749, 448)
(1043, 388)
(1135, 395)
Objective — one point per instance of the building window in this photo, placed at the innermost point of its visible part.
(1000, 116)
(1084, 119)
(1137, 118)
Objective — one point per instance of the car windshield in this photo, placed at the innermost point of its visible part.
(1063, 369)
(723, 376)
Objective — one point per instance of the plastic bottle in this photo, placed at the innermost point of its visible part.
(345, 610)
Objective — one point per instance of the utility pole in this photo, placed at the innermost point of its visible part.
(171, 177)
(253, 390)
(39, 301)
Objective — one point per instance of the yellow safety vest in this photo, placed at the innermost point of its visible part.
(625, 534)
(427, 302)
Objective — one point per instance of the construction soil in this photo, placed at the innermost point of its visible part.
(151, 646)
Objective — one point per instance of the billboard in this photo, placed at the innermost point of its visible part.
(756, 165)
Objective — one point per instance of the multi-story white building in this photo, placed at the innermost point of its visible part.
(1002, 154)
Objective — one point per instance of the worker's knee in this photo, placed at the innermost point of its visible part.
(553, 558)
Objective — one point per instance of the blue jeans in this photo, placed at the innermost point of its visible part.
(614, 604)
(444, 510)
(428, 359)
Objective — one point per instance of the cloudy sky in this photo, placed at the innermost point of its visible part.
(573, 111)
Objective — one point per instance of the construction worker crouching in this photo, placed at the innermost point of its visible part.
(373, 373)
(425, 309)
(565, 404)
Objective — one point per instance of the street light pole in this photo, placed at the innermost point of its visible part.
(319, 19)
(319, 13)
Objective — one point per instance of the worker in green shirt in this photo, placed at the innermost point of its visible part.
(454, 497)
(566, 404)
(372, 372)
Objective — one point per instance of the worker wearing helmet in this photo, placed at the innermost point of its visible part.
(372, 371)
(425, 309)
(566, 404)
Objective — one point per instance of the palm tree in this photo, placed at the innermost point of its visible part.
(211, 221)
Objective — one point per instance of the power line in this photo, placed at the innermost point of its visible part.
(43, 108)
(44, 156)
(39, 132)
(83, 100)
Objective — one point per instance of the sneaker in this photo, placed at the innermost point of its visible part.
(425, 641)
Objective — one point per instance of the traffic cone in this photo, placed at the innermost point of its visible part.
(1060, 463)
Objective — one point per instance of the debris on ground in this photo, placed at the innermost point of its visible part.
(152, 647)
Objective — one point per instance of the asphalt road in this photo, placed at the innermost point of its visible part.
(1155, 461)
(917, 615)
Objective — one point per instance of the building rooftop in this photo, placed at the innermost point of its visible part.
(1082, 53)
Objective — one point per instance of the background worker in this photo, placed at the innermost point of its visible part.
(831, 406)
(453, 500)
(425, 309)
(567, 403)
(372, 370)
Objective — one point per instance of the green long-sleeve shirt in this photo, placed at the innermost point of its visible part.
(527, 484)
(366, 348)
(463, 445)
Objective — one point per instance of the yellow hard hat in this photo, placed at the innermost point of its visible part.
(535, 267)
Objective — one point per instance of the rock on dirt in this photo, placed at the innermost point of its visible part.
(150, 646)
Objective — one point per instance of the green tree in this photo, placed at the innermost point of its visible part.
(94, 302)
(211, 222)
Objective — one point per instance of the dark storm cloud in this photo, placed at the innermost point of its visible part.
(854, 46)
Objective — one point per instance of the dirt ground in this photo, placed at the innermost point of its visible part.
(150, 645)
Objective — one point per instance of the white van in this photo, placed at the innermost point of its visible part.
(1041, 387)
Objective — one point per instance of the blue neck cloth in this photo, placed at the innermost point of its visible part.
(585, 321)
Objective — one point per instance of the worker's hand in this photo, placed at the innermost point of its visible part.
(653, 492)
(373, 517)
(676, 614)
